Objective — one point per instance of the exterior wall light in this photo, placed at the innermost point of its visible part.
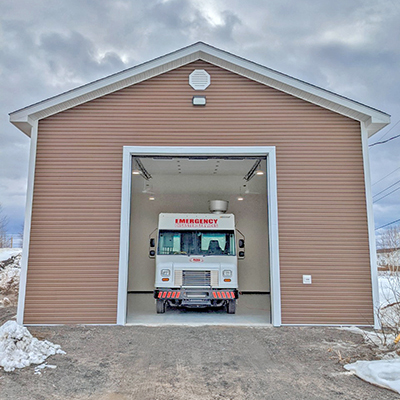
(135, 172)
(199, 100)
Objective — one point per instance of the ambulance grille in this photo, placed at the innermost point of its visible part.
(196, 278)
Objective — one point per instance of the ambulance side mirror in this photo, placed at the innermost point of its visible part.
(241, 246)
(152, 252)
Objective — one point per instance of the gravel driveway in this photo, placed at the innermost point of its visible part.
(118, 363)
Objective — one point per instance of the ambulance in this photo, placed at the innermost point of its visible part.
(196, 257)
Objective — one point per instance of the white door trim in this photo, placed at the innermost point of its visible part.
(269, 152)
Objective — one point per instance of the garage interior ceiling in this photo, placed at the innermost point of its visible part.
(224, 175)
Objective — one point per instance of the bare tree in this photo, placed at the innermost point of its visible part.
(4, 240)
(389, 249)
(389, 262)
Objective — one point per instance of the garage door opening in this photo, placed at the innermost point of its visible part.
(184, 183)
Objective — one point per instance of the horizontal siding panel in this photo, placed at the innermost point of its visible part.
(77, 193)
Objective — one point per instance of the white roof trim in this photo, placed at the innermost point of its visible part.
(373, 119)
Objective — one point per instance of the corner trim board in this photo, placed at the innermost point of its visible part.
(371, 225)
(27, 224)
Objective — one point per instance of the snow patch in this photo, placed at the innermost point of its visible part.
(376, 338)
(6, 253)
(38, 369)
(9, 279)
(384, 373)
(19, 349)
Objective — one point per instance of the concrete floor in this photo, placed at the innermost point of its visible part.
(251, 310)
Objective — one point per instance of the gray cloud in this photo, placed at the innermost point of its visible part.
(349, 47)
(75, 57)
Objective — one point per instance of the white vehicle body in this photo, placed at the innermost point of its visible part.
(196, 260)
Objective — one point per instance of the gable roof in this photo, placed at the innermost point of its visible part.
(26, 117)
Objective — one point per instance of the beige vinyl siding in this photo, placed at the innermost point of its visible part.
(74, 249)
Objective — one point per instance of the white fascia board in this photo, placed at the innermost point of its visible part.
(297, 88)
(374, 124)
(25, 127)
(215, 56)
(269, 152)
(106, 85)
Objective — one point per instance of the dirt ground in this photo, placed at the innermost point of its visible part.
(190, 363)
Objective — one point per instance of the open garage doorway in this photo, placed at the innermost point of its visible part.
(183, 182)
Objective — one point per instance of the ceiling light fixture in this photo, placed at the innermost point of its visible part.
(240, 197)
(135, 172)
(259, 171)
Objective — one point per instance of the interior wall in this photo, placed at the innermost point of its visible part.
(251, 220)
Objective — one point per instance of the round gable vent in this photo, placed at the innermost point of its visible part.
(199, 79)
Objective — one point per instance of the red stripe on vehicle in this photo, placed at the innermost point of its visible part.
(169, 295)
(159, 294)
(215, 295)
(224, 295)
(219, 295)
(233, 295)
(178, 294)
(173, 294)
(228, 294)
(164, 294)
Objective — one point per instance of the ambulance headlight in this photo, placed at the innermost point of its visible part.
(227, 273)
(165, 272)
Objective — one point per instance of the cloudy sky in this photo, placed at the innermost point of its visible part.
(349, 47)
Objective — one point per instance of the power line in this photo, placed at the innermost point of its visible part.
(384, 190)
(390, 223)
(380, 180)
(386, 195)
(384, 141)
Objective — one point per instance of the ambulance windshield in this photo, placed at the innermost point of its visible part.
(197, 242)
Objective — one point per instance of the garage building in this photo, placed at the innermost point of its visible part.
(198, 120)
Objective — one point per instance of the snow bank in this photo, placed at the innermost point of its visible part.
(9, 279)
(389, 296)
(6, 253)
(18, 348)
(384, 373)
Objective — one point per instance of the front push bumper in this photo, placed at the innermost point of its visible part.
(196, 297)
